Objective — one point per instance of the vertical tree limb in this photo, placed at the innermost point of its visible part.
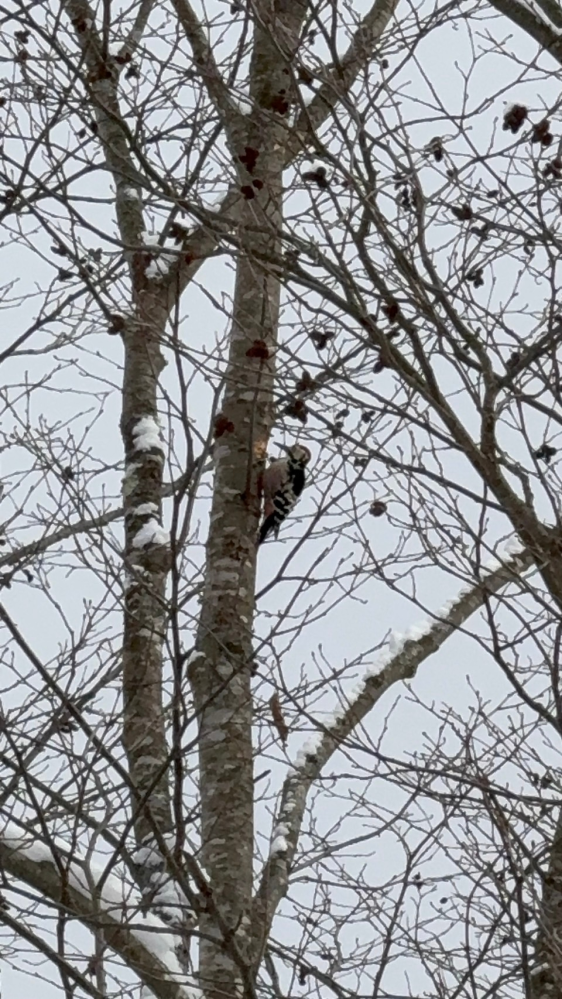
(221, 670)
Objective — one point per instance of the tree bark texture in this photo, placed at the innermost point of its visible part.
(221, 672)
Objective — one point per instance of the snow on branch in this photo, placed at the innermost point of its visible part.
(541, 22)
(399, 661)
(106, 903)
(159, 259)
(83, 526)
(146, 435)
(167, 897)
(545, 11)
(151, 533)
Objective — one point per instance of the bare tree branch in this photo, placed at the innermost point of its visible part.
(137, 941)
(524, 17)
(393, 669)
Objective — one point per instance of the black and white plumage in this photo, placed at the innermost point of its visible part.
(283, 483)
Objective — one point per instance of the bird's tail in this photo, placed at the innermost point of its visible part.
(268, 527)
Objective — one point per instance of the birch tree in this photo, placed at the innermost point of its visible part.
(226, 229)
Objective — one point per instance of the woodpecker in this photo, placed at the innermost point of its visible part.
(283, 482)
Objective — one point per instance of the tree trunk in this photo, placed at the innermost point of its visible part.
(221, 672)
